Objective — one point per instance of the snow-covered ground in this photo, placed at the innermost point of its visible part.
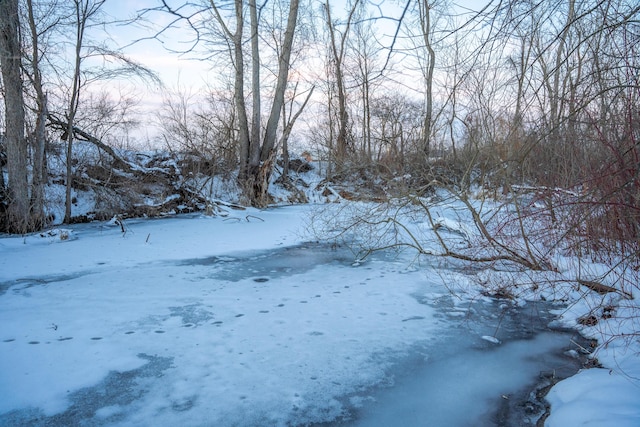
(201, 321)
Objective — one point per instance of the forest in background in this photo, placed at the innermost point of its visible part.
(536, 102)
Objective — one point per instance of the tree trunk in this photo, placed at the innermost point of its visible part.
(260, 181)
(425, 21)
(287, 127)
(39, 178)
(281, 85)
(256, 154)
(241, 108)
(68, 200)
(10, 61)
(82, 135)
(555, 95)
(285, 147)
(256, 128)
(83, 11)
(262, 171)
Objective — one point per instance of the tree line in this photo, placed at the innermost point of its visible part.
(542, 93)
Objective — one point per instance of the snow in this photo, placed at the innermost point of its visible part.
(76, 312)
(491, 339)
(595, 397)
(199, 320)
(606, 396)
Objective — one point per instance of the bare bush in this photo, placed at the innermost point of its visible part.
(204, 129)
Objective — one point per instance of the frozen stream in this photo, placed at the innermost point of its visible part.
(468, 380)
(293, 336)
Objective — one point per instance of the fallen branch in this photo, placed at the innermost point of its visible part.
(81, 135)
(602, 289)
(231, 205)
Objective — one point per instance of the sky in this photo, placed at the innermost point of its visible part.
(174, 68)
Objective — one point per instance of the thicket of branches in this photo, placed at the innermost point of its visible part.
(524, 115)
(535, 100)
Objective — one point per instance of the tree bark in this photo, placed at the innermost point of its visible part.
(10, 61)
(262, 170)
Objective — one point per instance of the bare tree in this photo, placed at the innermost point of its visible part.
(201, 128)
(84, 15)
(547, 98)
(39, 27)
(338, 49)
(257, 146)
(425, 17)
(83, 12)
(367, 73)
